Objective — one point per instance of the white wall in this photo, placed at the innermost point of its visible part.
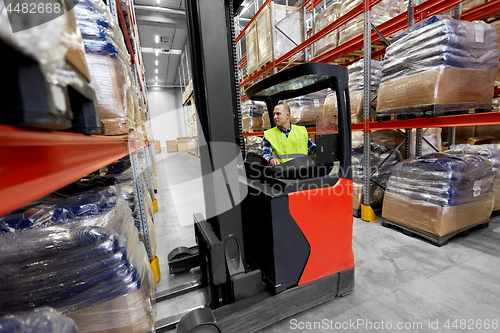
(167, 116)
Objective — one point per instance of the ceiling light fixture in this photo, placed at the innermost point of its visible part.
(156, 71)
(156, 78)
(156, 62)
(157, 39)
(156, 52)
(158, 1)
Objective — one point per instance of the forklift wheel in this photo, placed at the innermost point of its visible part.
(181, 252)
(201, 320)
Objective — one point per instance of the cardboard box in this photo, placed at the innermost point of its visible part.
(182, 146)
(442, 86)
(480, 140)
(171, 146)
(182, 139)
(131, 313)
(432, 218)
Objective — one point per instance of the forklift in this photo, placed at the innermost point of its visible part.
(284, 245)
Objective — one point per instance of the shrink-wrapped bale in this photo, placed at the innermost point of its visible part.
(78, 264)
(440, 193)
(377, 155)
(253, 144)
(492, 153)
(109, 68)
(354, 27)
(356, 91)
(252, 48)
(43, 320)
(441, 62)
(323, 19)
(304, 109)
(288, 20)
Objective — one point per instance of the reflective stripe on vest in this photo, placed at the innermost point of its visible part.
(286, 149)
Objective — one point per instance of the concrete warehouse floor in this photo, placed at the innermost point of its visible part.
(402, 284)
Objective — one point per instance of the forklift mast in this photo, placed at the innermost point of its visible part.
(213, 59)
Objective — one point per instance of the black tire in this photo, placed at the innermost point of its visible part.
(199, 321)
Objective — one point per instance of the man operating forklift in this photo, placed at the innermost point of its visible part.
(285, 142)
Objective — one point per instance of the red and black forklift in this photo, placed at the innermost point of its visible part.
(284, 244)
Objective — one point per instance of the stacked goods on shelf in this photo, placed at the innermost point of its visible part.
(252, 48)
(496, 25)
(253, 144)
(492, 153)
(109, 67)
(251, 115)
(187, 93)
(440, 194)
(354, 27)
(43, 320)
(259, 39)
(377, 155)
(306, 108)
(82, 257)
(330, 41)
(49, 58)
(356, 91)
(439, 64)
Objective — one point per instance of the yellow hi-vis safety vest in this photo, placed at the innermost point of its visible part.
(286, 149)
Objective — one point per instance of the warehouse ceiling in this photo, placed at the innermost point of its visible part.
(167, 20)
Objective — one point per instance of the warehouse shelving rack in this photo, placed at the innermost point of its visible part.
(36, 163)
(370, 43)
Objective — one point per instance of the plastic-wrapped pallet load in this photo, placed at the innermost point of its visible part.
(304, 109)
(440, 193)
(288, 20)
(251, 114)
(441, 63)
(330, 41)
(253, 144)
(496, 25)
(492, 153)
(354, 27)
(108, 63)
(92, 268)
(377, 155)
(53, 50)
(356, 91)
(43, 320)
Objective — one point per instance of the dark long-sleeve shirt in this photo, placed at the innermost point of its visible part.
(267, 149)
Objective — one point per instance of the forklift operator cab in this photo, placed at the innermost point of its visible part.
(297, 216)
(295, 222)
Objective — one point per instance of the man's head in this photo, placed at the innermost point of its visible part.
(281, 114)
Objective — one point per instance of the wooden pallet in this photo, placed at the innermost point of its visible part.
(495, 213)
(253, 131)
(432, 110)
(432, 238)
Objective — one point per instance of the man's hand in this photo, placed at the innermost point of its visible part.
(274, 161)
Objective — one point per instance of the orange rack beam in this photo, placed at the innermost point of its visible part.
(35, 163)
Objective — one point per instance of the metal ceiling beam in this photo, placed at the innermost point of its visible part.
(175, 12)
(163, 22)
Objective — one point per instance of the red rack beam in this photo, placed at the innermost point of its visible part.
(123, 26)
(36, 163)
(483, 11)
(487, 118)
